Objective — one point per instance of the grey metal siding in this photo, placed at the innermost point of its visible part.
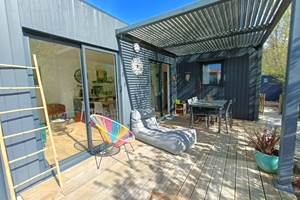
(12, 51)
(124, 97)
(188, 89)
(3, 188)
(72, 19)
(139, 87)
(241, 74)
(236, 85)
(255, 59)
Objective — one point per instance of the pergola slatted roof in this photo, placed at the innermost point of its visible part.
(210, 25)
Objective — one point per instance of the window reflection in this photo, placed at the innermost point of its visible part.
(211, 74)
(101, 78)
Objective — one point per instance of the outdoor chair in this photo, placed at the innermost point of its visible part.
(112, 132)
(226, 114)
(198, 112)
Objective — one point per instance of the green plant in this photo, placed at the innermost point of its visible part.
(178, 101)
(265, 140)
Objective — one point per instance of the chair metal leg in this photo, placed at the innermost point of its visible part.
(207, 121)
(226, 124)
(131, 146)
(231, 122)
(126, 152)
(192, 118)
(98, 164)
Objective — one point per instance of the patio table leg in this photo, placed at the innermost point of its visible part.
(220, 119)
(192, 117)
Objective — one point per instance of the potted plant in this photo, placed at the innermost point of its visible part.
(266, 154)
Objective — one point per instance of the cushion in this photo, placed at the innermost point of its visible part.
(151, 122)
(169, 141)
(146, 113)
(172, 140)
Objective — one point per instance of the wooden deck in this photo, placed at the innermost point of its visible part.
(70, 142)
(219, 166)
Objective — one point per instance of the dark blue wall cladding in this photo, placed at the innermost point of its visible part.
(241, 72)
(139, 87)
(187, 89)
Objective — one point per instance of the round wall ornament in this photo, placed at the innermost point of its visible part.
(136, 47)
(77, 76)
(137, 66)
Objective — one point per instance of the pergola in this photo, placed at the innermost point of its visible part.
(221, 25)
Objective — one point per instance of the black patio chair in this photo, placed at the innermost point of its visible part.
(197, 112)
(226, 114)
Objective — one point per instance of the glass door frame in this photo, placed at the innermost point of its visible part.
(85, 85)
(160, 68)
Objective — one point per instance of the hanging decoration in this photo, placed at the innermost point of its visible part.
(137, 66)
(136, 62)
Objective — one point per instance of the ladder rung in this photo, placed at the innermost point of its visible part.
(27, 156)
(25, 132)
(19, 88)
(34, 177)
(20, 110)
(16, 66)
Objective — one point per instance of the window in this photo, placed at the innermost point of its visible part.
(211, 74)
(102, 86)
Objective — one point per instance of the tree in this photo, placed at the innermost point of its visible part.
(276, 47)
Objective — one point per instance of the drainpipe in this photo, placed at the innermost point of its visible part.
(291, 101)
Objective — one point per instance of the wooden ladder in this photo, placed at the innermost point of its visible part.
(6, 161)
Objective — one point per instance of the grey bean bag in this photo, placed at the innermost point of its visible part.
(146, 129)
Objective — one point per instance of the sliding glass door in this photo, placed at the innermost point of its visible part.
(78, 81)
(160, 88)
(101, 86)
(156, 88)
(60, 67)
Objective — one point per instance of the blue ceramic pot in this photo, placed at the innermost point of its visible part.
(268, 163)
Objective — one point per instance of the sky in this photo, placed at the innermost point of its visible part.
(132, 11)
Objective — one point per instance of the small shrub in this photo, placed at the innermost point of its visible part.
(265, 141)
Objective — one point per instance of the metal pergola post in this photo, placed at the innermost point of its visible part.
(290, 104)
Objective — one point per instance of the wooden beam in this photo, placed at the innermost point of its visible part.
(20, 110)
(19, 88)
(27, 156)
(16, 66)
(38, 75)
(7, 172)
(34, 177)
(25, 132)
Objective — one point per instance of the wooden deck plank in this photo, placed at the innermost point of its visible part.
(242, 182)
(219, 166)
(255, 183)
(228, 184)
(204, 180)
(187, 188)
(283, 195)
(266, 180)
(214, 189)
(170, 178)
(122, 178)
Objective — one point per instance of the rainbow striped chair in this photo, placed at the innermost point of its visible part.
(112, 132)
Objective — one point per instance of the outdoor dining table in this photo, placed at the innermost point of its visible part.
(210, 104)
